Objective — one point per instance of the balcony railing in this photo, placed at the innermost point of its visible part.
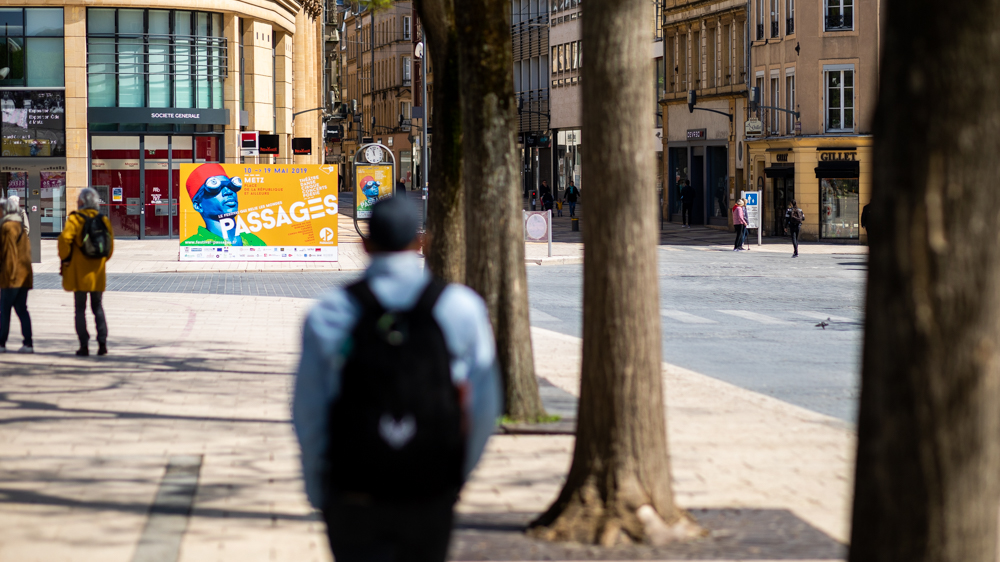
(842, 21)
(760, 32)
(789, 26)
(774, 29)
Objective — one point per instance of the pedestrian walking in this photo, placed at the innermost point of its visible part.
(740, 224)
(572, 197)
(687, 203)
(559, 208)
(794, 217)
(396, 394)
(400, 187)
(16, 277)
(546, 201)
(85, 245)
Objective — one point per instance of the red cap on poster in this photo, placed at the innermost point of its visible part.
(202, 173)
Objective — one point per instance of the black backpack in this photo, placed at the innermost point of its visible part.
(395, 431)
(95, 240)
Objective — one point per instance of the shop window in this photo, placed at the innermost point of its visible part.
(155, 58)
(31, 50)
(839, 208)
(839, 99)
(34, 123)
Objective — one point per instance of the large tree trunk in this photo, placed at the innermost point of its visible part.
(445, 197)
(494, 231)
(928, 464)
(619, 486)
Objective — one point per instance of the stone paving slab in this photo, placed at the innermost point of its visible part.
(84, 443)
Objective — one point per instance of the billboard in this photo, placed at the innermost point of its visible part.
(251, 212)
(374, 183)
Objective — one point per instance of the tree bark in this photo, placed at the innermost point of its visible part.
(445, 197)
(619, 485)
(494, 231)
(928, 464)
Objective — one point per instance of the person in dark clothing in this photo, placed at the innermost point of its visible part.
(547, 201)
(400, 187)
(864, 222)
(572, 195)
(794, 217)
(687, 203)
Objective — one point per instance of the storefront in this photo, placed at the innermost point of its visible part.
(699, 150)
(829, 178)
(569, 155)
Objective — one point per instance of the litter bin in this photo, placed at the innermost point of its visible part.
(575, 224)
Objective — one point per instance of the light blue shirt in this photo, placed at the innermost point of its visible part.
(397, 281)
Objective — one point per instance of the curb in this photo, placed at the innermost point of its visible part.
(554, 260)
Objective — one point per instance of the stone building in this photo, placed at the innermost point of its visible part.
(820, 59)
(705, 51)
(530, 42)
(115, 95)
(381, 41)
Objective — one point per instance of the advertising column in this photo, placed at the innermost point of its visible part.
(249, 212)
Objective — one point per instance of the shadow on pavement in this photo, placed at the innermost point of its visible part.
(734, 534)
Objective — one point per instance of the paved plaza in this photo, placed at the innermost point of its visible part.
(178, 446)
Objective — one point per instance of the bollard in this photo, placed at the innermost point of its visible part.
(575, 223)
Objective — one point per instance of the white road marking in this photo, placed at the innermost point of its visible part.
(821, 316)
(756, 317)
(686, 317)
(539, 316)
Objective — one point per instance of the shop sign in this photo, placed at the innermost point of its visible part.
(754, 127)
(268, 144)
(158, 115)
(838, 156)
(697, 134)
(302, 146)
(250, 143)
(781, 157)
(277, 213)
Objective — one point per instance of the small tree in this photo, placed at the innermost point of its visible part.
(445, 197)
(619, 487)
(494, 231)
(928, 464)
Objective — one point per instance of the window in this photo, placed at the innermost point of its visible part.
(839, 99)
(790, 101)
(404, 109)
(575, 55)
(775, 101)
(696, 61)
(774, 17)
(839, 15)
(710, 57)
(155, 58)
(31, 52)
(839, 208)
(760, 20)
(789, 17)
(727, 55)
(406, 28)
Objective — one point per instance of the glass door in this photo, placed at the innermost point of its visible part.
(116, 175)
(157, 190)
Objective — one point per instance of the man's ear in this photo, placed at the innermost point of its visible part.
(197, 205)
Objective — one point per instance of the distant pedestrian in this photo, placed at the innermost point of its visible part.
(864, 222)
(85, 245)
(545, 188)
(400, 187)
(547, 201)
(559, 207)
(740, 224)
(572, 196)
(16, 276)
(396, 394)
(687, 203)
(794, 217)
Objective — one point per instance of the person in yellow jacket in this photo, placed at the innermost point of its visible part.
(15, 274)
(84, 275)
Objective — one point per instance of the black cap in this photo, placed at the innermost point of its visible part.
(393, 224)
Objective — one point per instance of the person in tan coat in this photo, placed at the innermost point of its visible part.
(15, 274)
(83, 275)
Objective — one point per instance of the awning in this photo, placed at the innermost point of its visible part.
(780, 172)
(838, 170)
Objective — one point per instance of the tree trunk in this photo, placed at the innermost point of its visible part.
(928, 464)
(494, 232)
(445, 198)
(619, 486)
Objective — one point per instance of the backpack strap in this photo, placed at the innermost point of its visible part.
(361, 291)
(428, 299)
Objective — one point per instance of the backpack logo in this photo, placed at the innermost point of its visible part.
(397, 433)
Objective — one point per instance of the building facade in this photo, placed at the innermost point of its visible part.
(114, 96)
(530, 40)
(377, 79)
(820, 59)
(705, 51)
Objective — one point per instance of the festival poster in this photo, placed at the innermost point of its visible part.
(374, 183)
(258, 212)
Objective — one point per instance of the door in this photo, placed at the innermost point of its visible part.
(116, 175)
(784, 194)
(698, 182)
(156, 186)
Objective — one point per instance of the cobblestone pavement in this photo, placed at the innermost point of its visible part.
(298, 285)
